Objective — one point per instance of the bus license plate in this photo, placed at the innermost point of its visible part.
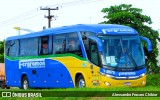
(127, 83)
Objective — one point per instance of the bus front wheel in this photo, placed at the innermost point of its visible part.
(80, 83)
(25, 84)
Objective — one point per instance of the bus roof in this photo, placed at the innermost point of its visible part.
(108, 29)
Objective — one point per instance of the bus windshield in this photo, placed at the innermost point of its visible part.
(122, 52)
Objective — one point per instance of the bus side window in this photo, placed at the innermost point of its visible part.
(56, 46)
(7, 47)
(32, 45)
(62, 46)
(59, 44)
(23, 46)
(44, 45)
(73, 44)
(13, 50)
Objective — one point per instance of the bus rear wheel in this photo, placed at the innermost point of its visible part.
(80, 83)
(25, 84)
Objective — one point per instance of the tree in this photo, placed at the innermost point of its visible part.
(125, 14)
(1, 52)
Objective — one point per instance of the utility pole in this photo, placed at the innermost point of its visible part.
(49, 15)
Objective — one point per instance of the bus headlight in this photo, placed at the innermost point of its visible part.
(103, 74)
(110, 76)
(142, 74)
(107, 83)
(144, 82)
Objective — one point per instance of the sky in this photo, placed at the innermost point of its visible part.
(27, 15)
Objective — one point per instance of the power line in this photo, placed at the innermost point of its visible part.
(17, 21)
(74, 3)
(78, 2)
(22, 17)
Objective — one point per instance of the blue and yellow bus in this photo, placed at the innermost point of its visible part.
(83, 55)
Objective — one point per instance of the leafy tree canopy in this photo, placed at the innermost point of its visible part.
(1, 51)
(125, 14)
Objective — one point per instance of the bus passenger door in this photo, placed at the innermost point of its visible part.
(95, 62)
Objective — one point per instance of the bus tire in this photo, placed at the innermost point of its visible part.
(7, 87)
(80, 83)
(25, 83)
(2, 86)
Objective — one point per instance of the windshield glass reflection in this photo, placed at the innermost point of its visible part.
(122, 51)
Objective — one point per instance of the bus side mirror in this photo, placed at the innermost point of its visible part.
(149, 44)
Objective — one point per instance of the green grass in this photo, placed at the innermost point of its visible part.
(145, 88)
(153, 84)
(88, 90)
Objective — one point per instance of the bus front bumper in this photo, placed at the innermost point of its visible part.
(109, 82)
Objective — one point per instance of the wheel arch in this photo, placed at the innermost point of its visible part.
(22, 76)
(77, 75)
